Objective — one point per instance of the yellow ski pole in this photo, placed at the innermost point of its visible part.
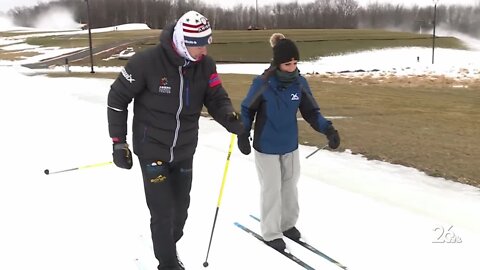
(232, 140)
(47, 171)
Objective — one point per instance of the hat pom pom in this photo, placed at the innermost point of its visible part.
(275, 38)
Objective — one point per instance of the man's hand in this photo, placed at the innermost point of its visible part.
(233, 123)
(122, 156)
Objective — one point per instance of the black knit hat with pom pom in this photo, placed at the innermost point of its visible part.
(284, 50)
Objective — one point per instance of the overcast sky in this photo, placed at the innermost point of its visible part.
(5, 5)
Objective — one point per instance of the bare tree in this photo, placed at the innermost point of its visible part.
(346, 13)
(318, 14)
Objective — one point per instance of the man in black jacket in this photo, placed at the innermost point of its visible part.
(169, 84)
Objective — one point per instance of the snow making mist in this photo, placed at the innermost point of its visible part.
(472, 42)
(56, 18)
(5, 22)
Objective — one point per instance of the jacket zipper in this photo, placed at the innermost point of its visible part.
(177, 116)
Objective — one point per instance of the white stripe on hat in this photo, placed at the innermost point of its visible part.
(205, 33)
(179, 42)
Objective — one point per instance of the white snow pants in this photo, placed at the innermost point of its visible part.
(278, 176)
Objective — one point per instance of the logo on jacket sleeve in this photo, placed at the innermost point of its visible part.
(294, 96)
(127, 76)
(164, 88)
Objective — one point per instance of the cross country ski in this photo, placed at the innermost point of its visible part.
(311, 248)
(285, 253)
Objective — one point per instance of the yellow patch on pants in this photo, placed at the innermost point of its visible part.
(158, 179)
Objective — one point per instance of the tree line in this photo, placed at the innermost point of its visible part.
(333, 14)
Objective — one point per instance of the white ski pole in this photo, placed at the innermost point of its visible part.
(318, 149)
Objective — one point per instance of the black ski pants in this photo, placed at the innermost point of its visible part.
(167, 192)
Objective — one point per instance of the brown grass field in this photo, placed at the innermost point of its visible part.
(429, 123)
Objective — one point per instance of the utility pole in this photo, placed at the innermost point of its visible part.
(256, 14)
(434, 24)
(89, 37)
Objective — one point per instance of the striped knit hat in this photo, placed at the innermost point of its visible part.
(195, 28)
(192, 29)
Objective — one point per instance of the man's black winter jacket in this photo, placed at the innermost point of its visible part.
(168, 98)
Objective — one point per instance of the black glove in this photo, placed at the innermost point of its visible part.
(233, 123)
(333, 137)
(122, 157)
(244, 143)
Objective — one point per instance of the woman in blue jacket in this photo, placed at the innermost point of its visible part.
(273, 101)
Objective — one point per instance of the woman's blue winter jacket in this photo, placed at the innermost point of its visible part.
(274, 108)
